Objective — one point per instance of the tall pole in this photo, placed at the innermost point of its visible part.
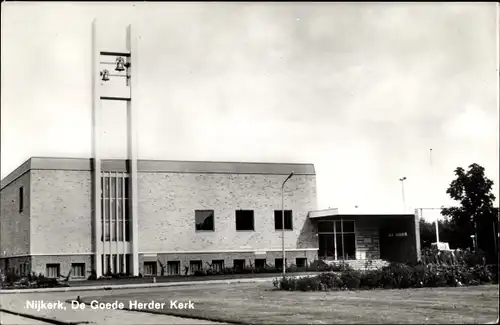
(403, 192)
(283, 223)
(96, 129)
(132, 147)
(432, 182)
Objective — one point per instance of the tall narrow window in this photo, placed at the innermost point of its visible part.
(345, 239)
(114, 209)
(21, 199)
(128, 229)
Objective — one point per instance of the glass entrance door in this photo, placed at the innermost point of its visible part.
(326, 246)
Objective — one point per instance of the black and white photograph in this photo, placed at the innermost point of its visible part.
(249, 162)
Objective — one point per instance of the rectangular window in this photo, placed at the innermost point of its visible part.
(128, 263)
(278, 220)
(301, 262)
(128, 231)
(173, 267)
(127, 187)
(260, 263)
(120, 230)
(78, 270)
(150, 268)
(325, 226)
(108, 265)
(106, 209)
(119, 187)
(106, 186)
(21, 199)
(218, 265)
(119, 210)
(204, 220)
(112, 226)
(349, 247)
(106, 230)
(121, 262)
(112, 186)
(52, 270)
(239, 264)
(112, 209)
(195, 266)
(244, 220)
(345, 240)
(347, 227)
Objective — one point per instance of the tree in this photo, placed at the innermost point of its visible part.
(427, 233)
(447, 233)
(476, 214)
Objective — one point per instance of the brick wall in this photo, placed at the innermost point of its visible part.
(61, 212)
(170, 199)
(367, 239)
(228, 258)
(15, 225)
(13, 264)
(39, 263)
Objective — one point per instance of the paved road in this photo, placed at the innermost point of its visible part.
(9, 319)
(18, 302)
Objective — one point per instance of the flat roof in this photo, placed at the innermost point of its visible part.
(161, 166)
(365, 212)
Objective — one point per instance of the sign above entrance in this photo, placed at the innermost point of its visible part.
(398, 234)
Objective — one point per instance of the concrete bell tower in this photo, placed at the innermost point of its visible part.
(113, 78)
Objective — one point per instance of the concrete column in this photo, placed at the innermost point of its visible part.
(132, 147)
(417, 235)
(96, 115)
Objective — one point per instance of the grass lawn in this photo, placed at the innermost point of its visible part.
(260, 304)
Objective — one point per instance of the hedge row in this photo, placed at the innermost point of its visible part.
(394, 276)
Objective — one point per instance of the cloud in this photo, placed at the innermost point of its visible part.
(361, 90)
(472, 124)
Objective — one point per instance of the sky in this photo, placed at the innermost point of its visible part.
(362, 90)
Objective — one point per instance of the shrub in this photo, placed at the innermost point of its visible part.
(351, 279)
(331, 280)
(298, 284)
(93, 275)
(395, 276)
(493, 269)
(371, 279)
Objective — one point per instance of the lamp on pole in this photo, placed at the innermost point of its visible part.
(283, 222)
(402, 179)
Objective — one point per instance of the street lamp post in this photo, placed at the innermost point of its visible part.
(283, 222)
(402, 179)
